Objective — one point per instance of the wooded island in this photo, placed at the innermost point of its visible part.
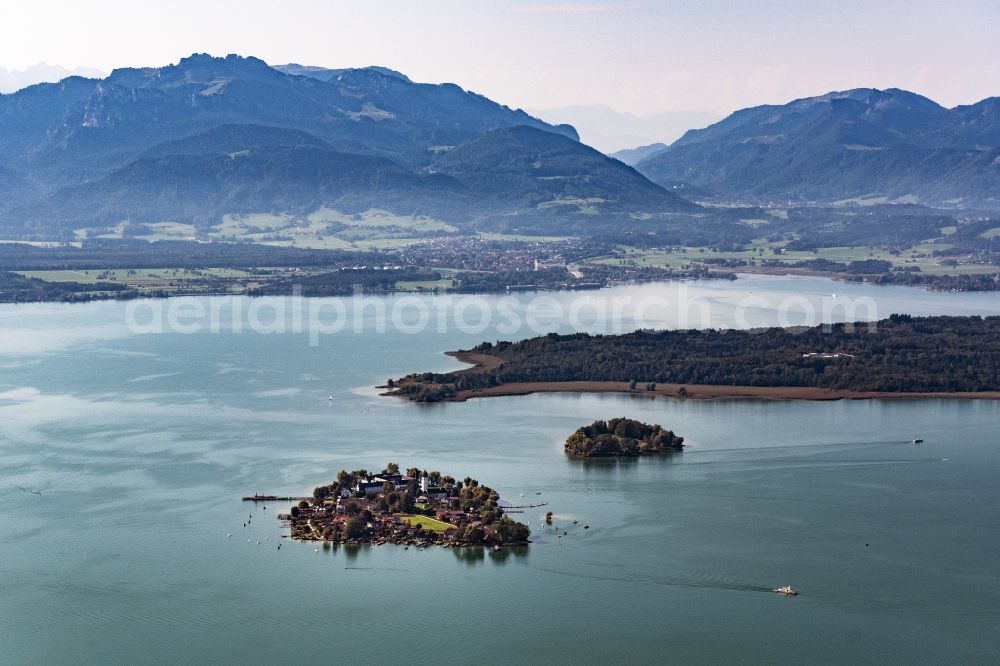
(621, 438)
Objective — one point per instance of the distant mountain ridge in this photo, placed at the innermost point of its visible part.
(862, 143)
(326, 74)
(633, 156)
(210, 136)
(12, 80)
(610, 131)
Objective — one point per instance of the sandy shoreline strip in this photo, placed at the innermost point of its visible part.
(480, 362)
(710, 392)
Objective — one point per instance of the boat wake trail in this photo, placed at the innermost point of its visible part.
(667, 582)
(374, 569)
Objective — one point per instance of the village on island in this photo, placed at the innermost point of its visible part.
(415, 508)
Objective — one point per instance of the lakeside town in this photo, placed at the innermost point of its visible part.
(411, 508)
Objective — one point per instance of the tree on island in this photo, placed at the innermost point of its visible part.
(354, 527)
(508, 531)
(621, 437)
(473, 534)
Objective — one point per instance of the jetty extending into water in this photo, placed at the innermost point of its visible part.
(273, 498)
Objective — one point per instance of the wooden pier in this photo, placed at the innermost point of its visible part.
(274, 498)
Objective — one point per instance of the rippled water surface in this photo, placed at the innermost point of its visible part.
(123, 458)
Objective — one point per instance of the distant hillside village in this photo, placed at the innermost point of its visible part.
(416, 508)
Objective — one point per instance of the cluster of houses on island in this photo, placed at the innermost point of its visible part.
(390, 507)
(375, 485)
(827, 355)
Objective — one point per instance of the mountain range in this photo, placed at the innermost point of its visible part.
(209, 137)
(857, 144)
(212, 136)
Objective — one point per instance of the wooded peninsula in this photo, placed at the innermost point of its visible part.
(902, 356)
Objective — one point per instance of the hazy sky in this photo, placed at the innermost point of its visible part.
(637, 56)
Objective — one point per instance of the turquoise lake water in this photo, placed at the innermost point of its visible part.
(142, 444)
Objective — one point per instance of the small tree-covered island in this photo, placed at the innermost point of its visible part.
(622, 438)
(412, 508)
